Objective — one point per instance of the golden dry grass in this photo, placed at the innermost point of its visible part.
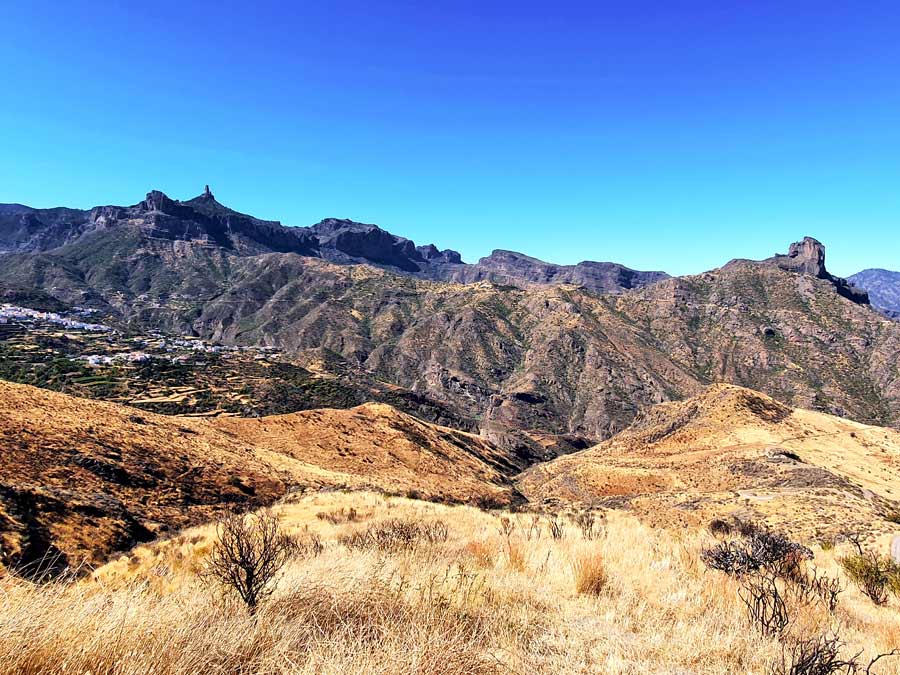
(489, 599)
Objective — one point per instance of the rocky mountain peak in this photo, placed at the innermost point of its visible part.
(431, 253)
(156, 201)
(808, 257)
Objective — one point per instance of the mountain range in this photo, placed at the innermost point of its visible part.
(537, 357)
(204, 220)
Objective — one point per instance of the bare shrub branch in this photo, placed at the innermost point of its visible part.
(249, 553)
(821, 656)
(765, 603)
(398, 535)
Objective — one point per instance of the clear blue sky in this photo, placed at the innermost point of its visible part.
(664, 135)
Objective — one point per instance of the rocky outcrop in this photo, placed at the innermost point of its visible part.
(346, 241)
(808, 257)
(804, 257)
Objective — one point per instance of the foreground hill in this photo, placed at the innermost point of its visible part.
(80, 479)
(733, 451)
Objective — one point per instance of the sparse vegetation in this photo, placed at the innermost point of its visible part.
(875, 575)
(632, 601)
(249, 552)
(397, 535)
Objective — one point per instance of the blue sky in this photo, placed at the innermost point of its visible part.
(665, 135)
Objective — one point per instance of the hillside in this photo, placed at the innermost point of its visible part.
(80, 479)
(733, 451)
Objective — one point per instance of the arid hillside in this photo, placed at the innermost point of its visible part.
(734, 451)
(374, 445)
(80, 479)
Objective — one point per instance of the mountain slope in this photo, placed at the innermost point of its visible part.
(80, 479)
(545, 359)
(734, 451)
(526, 365)
(883, 287)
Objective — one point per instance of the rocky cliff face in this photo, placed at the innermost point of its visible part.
(24, 229)
(883, 287)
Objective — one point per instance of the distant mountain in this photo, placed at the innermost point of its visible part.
(203, 220)
(883, 287)
(516, 269)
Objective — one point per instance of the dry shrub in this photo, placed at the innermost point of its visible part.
(481, 552)
(815, 656)
(810, 587)
(557, 529)
(249, 552)
(309, 545)
(590, 573)
(587, 523)
(398, 535)
(765, 603)
(758, 549)
(719, 527)
(534, 529)
(339, 516)
(821, 656)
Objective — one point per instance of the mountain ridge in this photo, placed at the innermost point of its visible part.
(204, 219)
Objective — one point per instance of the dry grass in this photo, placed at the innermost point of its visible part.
(589, 572)
(632, 600)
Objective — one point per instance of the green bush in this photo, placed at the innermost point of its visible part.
(875, 575)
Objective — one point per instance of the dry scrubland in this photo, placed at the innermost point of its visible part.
(499, 595)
